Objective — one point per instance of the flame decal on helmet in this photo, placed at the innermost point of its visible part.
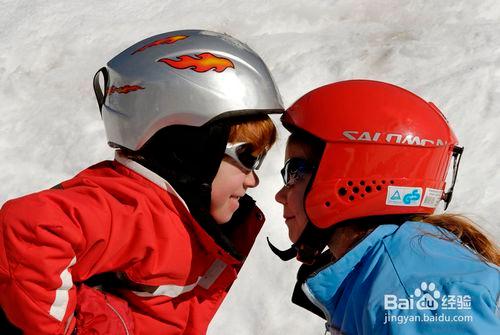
(166, 40)
(124, 89)
(199, 63)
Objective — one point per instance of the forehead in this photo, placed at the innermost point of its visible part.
(297, 149)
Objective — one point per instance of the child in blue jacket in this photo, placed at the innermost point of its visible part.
(365, 169)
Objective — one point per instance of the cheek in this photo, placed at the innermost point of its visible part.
(296, 207)
(228, 182)
(224, 186)
(296, 199)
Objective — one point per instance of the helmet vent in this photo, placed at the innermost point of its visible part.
(360, 189)
(342, 191)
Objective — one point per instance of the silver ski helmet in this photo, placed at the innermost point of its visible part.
(185, 77)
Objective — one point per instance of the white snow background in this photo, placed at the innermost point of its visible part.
(445, 51)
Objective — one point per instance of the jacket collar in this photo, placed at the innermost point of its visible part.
(206, 239)
(324, 281)
(149, 175)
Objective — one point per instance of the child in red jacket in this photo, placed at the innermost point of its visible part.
(151, 242)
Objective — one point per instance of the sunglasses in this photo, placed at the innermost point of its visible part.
(241, 153)
(295, 169)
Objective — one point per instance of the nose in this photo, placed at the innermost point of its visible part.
(281, 195)
(251, 180)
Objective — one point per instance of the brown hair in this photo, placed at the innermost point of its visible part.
(259, 130)
(314, 146)
(467, 232)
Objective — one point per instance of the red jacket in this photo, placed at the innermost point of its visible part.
(111, 218)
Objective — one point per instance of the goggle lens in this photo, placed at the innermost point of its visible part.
(242, 153)
(294, 170)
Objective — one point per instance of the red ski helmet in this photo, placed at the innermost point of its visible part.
(387, 151)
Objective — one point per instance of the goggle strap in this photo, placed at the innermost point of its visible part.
(457, 156)
(99, 94)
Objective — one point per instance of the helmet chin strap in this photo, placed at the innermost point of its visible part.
(308, 247)
(284, 255)
(313, 240)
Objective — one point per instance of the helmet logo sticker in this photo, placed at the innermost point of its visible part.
(199, 63)
(403, 196)
(392, 138)
(166, 40)
(124, 89)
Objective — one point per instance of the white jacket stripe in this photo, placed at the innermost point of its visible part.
(176, 290)
(58, 308)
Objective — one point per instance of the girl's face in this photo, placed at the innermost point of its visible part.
(292, 196)
(228, 186)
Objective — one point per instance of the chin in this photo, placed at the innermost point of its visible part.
(222, 218)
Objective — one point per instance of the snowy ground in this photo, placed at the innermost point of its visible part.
(445, 51)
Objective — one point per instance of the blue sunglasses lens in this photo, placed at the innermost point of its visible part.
(294, 170)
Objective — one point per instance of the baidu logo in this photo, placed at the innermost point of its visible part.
(426, 304)
(424, 297)
(427, 297)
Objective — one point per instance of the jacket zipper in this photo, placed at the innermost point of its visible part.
(119, 316)
(311, 297)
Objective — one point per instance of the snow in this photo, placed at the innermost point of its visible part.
(447, 52)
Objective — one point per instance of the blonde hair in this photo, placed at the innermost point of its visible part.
(259, 130)
(467, 232)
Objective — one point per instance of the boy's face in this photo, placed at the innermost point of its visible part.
(229, 185)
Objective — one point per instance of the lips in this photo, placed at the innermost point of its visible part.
(237, 196)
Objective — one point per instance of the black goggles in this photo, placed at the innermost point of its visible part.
(295, 169)
(241, 153)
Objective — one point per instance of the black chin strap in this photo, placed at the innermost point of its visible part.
(308, 247)
(284, 255)
(313, 240)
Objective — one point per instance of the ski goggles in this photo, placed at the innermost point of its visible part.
(241, 153)
(295, 170)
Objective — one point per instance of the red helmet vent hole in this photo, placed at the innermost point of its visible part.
(392, 181)
(362, 195)
(342, 191)
(327, 204)
(350, 183)
(368, 189)
(351, 197)
(362, 183)
(355, 189)
(383, 181)
(378, 187)
(374, 182)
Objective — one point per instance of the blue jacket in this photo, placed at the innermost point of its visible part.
(406, 280)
